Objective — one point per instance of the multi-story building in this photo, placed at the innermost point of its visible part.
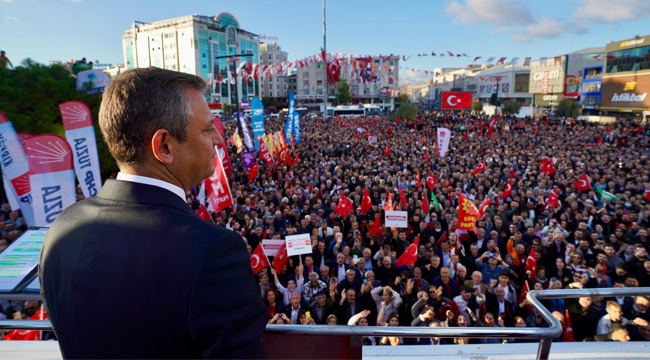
(372, 80)
(197, 44)
(591, 89)
(626, 81)
(273, 86)
(555, 78)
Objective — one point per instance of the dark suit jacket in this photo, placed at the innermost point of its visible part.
(134, 273)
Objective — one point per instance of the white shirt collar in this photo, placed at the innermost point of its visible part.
(151, 181)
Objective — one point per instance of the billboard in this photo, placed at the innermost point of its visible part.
(575, 64)
(456, 100)
(626, 92)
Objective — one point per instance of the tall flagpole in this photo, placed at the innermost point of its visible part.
(325, 63)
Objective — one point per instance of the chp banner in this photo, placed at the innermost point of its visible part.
(298, 244)
(51, 176)
(79, 131)
(248, 141)
(217, 188)
(456, 100)
(258, 121)
(15, 168)
(442, 141)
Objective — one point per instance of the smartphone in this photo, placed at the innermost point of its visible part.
(308, 314)
(553, 280)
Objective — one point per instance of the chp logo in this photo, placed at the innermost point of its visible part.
(456, 100)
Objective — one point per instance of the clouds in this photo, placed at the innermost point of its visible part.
(611, 12)
(517, 17)
(495, 12)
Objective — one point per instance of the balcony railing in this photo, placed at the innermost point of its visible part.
(305, 341)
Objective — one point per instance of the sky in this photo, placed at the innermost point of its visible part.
(48, 30)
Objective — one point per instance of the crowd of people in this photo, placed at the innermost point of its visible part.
(461, 278)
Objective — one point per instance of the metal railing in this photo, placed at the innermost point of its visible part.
(355, 333)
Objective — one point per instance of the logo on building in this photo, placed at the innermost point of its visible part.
(632, 42)
(627, 97)
(550, 75)
(549, 97)
(630, 86)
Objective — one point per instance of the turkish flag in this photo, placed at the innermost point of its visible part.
(252, 172)
(203, 213)
(281, 258)
(525, 290)
(507, 190)
(552, 201)
(431, 181)
(582, 184)
(484, 206)
(531, 263)
(547, 166)
(366, 202)
(402, 198)
(417, 180)
(567, 336)
(456, 100)
(426, 156)
(389, 131)
(647, 195)
(387, 151)
(492, 124)
(425, 204)
(410, 255)
(376, 228)
(479, 168)
(41, 314)
(259, 261)
(344, 207)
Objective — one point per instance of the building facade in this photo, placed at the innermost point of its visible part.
(273, 86)
(591, 89)
(197, 44)
(372, 80)
(626, 80)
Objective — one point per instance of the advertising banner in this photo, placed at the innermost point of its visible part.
(626, 92)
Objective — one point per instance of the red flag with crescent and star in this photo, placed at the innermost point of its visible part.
(484, 206)
(41, 314)
(567, 336)
(479, 168)
(259, 261)
(531, 263)
(203, 213)
(344, 207)
(281, 258)
(525, 290)
(553, 201)
(366, 202)
(431, 181)
(492, 124)
(376, 228)
(426, 156)
(582, 184)
(507, 190)
(410, 256)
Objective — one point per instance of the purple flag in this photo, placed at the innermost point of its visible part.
(249, 158)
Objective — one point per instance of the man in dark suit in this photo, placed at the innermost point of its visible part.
(133, 272)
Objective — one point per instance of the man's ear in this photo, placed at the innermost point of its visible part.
(161, 146)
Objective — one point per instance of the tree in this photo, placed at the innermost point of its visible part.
(477, 105)
(402, 98)
(494, 100)
(511, 107)
(30, 97)
(406, 111)
(343, 93)
(568, 108)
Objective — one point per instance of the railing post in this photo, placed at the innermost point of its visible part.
(544, 349)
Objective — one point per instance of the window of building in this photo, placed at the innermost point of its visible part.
(590, 100)
(594, 74)
(231, 36)
(628, 60)
(591, 87)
